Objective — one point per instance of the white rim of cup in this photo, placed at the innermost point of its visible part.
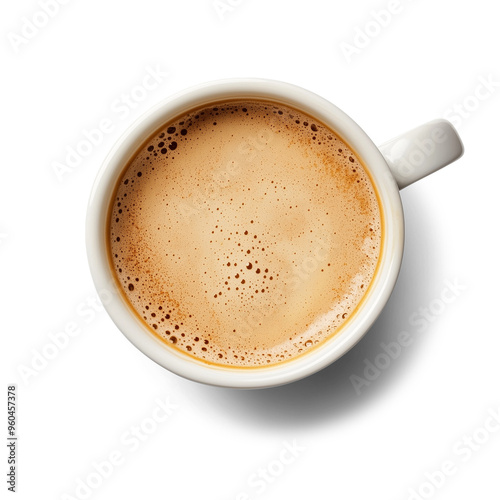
(327, 351)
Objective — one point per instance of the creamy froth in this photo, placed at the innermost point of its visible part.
(245, 233)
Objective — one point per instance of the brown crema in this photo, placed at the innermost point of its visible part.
(244, 233)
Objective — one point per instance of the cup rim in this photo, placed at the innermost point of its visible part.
(331, 349)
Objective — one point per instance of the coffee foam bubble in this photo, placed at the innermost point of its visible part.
(245, 233)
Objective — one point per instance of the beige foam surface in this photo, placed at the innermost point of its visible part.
(245, 233)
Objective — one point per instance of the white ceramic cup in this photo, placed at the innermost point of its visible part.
(392, 167)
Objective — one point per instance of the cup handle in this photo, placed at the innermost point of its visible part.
(421, 151)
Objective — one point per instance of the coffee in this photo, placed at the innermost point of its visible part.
(244, 233)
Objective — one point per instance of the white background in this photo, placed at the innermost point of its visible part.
(430, 58)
